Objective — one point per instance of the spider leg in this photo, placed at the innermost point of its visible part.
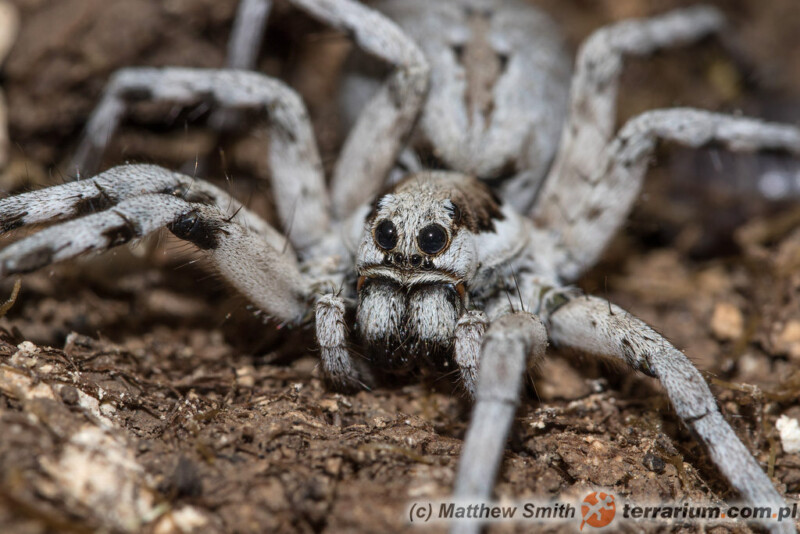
(594, 86)
(376, 139)
(247, 33)
(578, 202)
(74, 199)
(244, 44)
(511, 344)
(595, 83)
(389, 116)
(584, 206)
(338, 366)
(594, 326)
(470, 329)
(298, 182)
(270, 279)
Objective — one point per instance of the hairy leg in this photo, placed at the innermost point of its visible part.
(83, 197)
(258, 270)
(595, 177)
(300, 193)
(594, 326)
(585, 201)
(599, 64)
(376, 139)
(337, 364)
(511, 344)
(593, 99)
(468, 339)
(247, 33)
(244, 44)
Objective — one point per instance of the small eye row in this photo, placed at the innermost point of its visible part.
(415, 260)
(432, 239)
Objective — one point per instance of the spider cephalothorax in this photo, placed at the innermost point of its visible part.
(427, 268)
(417, 261)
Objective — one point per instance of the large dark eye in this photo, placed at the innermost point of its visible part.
(432, 239)
(386, 235)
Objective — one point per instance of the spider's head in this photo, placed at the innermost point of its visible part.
(416, 260)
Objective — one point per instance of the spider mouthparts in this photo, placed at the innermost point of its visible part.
(461, 289)
(410, 277)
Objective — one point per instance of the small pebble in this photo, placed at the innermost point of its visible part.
(69, 395)
(653, 463)
(789, 430)
(727, 322)
(789, 339)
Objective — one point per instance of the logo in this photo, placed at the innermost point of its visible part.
(598, 509)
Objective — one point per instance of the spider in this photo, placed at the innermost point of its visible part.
(536, 181)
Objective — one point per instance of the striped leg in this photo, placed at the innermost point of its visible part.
(594, 326)
(75, 199)
(584, 209)
(511, 344)
(375, 141)
(596, 176)
(242, 256)
(299, 186)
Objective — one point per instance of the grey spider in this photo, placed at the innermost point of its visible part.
(485, 87)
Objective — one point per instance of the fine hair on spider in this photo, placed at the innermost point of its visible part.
(536, 179)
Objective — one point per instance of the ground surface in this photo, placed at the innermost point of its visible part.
(193, 412)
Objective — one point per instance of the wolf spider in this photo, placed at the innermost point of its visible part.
(485, 89)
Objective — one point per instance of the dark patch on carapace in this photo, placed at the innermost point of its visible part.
(475, 206)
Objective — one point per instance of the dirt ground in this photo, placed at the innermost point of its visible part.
(141, 369)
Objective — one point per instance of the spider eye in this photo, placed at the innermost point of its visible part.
(386, 235)
(432, 239)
